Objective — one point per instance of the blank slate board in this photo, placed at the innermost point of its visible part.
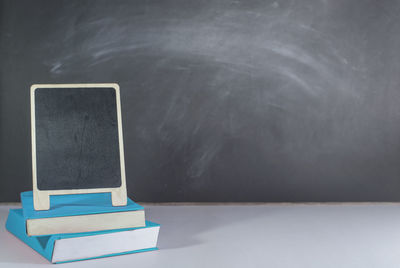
(76, 134)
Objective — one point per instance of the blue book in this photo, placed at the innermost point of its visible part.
(80, 213)
(60, 248)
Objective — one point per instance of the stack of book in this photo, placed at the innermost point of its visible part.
(82, 226)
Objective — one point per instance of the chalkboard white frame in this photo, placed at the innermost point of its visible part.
(41, 198)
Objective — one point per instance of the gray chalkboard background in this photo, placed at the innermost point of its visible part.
(235, 100)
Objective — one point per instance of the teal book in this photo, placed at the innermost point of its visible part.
(60, 248)
(80, 213)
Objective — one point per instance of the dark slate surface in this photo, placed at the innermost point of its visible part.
(76, 138)
(228, 100)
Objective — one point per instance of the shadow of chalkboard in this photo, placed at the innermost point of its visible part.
(77, 144)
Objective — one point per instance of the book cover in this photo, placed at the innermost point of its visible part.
(73, 205)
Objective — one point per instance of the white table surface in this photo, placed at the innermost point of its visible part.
(270, 235)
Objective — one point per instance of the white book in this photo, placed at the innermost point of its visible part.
(61, 248)
(80, 213)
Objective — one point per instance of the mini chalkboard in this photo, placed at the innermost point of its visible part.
(77, 144)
